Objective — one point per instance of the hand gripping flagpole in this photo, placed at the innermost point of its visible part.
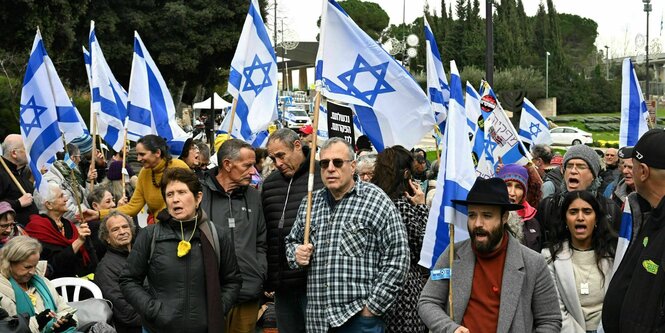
(312, 167)
(233, 116)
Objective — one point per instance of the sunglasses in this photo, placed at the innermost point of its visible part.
(337, 162)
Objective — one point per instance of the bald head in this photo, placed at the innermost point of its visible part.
(611, 157)
(13, 150)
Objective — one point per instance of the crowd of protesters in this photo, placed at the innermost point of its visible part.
(230, 230)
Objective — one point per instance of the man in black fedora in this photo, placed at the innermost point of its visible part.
(498, 285)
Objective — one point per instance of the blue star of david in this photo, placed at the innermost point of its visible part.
(443, 85)
(534, 129)
(379, 73)
(489, 148)
(248, 71)
(37, 111)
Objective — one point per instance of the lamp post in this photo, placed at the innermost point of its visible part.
(647, 9)
(607, 63)
(489, 36)
(547, 74)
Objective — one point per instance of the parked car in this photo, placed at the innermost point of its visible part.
(295, 117)
(570, 136)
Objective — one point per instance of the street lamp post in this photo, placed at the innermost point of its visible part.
(489, 50)
(607, 63)
(647, 9)
(547, 74)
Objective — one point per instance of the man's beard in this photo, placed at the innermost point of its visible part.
(493, 238)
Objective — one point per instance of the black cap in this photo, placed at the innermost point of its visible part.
(625, 152)
(649, 149)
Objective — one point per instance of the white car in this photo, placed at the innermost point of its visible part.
(295, 117)
(570, 136)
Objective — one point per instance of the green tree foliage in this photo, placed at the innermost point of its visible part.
(368, 15)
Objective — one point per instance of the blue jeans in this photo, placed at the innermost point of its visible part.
(360, 324)
(290, 306)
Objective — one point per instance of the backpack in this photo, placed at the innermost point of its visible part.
(206, 228)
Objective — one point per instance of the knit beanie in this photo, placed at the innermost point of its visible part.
(585, 153)
(115, 171)
(84, 143)
(516, 173)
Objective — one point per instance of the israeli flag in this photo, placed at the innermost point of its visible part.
(109, 98)
(354, 69)
(534, 129)
(150, 107)
(253, 76)
(625, 234)
(455, 179)
(437, 83)
(257, 140)
(38, 116)
(634, 113)
(472, 105)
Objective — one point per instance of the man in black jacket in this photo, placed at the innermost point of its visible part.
(283, 191)
(635, 298)
(117, 231)
(14, 160)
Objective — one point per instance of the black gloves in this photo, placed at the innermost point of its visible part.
(43, 318)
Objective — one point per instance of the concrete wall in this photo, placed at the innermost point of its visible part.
(547, 106)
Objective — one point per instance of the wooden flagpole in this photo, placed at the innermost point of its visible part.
(124, 161)
(233, 116)
(451, 227)
(74, 184)
(312, 167)
(93, 134)
(11, 175)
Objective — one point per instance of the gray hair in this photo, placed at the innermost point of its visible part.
(72, 149)
(332, 141)
(543, 152)
(285, 135)
(204, 150)
(18, 249)
(40, 199)
(103, 230)
(11, 142)
(97, 194)
(366, 161)
(230, 150)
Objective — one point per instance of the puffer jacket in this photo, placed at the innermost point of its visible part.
(125, 318)
(276, 187)
(248, 235)
(176, 298)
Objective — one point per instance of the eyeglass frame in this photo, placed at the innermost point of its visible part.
(337, 163)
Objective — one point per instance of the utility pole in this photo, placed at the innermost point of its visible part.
(489, 51)
(547, 74)
(647, 9)
(607, 63)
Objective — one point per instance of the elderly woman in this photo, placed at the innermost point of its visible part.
(67, 247)
(190, 264)
(154, 156)
(8, 226)
(393, 174)
(24, 291)
(365, 167)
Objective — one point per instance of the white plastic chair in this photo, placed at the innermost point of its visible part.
(61, 285)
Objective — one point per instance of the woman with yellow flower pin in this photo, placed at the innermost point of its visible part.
(189, 263)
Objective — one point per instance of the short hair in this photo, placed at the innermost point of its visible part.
(204, 150)
(543, 152)
(155, 143)
(40, 199)
(73, 149)
(103, 230)
(230, 150)
(285, 135)
(332, 141)
(261, 153)
(186, 176)
(368, 160)
(16, 250)
(97, 195)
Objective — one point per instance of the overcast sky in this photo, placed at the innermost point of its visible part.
(619, 21)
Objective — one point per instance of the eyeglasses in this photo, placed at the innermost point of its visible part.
(337, 162)
(578, 166)
(5, 226)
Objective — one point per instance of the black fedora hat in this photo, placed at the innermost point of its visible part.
(491, 191)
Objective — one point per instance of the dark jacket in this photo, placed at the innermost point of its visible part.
(635, 298)
(10, 192)
(276, 187)
(176, 298)
(125, 318)
(248, 235)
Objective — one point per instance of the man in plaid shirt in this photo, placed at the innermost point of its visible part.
(358, 254)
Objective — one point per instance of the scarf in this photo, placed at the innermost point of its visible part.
(24, 304)
(528, 212)
(41, 228)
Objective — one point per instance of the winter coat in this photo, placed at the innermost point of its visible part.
(10, 192)
(247, 230)
(176, 298)
(276, 187)
(125, 318)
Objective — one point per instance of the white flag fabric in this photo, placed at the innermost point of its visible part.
(253, 76)
(257, 140)
(109, 98)
(150, 108)
(534, 129)
(455, 179)
(625, 234)
(437, 83)
(634, 112)
(472, 105)
(38, 116)
(354, 69)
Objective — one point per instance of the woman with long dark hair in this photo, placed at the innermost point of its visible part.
(580, 260)
(393, 174)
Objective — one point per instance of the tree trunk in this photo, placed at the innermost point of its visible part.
(178, 100)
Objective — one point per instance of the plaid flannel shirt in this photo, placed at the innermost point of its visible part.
(361, 255)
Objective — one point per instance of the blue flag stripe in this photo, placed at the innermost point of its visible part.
(371, 127)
